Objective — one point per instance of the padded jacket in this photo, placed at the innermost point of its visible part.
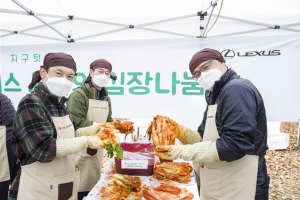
(7, 114)
(241, 123)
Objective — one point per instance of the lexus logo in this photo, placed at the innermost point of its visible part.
(228, 53)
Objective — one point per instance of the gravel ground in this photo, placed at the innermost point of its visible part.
(284, 167)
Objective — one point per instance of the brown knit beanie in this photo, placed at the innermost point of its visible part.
(51, 60)
(204, 55)
(100, 63)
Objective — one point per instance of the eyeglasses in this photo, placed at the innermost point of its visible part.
(203, 68)
(101, 71)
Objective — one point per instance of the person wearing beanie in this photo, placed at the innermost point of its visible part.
(229, 146)
(89, 104)
(44, 139)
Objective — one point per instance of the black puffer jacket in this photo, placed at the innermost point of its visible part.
(241, 123)
(7, 114)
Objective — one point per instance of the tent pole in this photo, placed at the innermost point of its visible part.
(26, 13)
(45, 37)
(202, 14)
(290, 29)
(166, 32)
(5, 30)
(40, 26)
(103, 33)
(205, 27)
(5, 35)
(125, 25)
(202, 23)
(257, 23)
(241, 32)
(40, 19)
(101, 22)
(211, 4)
(257, 30)
(165, 20)
(24, 30)
(13, 11)
(250, 22)
(244, 21)
(27, 34)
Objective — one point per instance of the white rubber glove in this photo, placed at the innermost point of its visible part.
(86, 130)
(94, 142)
(188, 136)
(67, 146)
(202, 151)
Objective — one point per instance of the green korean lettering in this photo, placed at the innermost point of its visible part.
(10, 80)
(79, 78)
(148, 78)
(112, 90)
(115, 90)
(139, 90)
(135, 77)
(14, 58)
(25, 57)
(174, 83)
(157, 85)
(121, 79)
(37, 57)
(193, 89)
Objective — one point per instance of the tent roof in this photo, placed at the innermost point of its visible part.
(95, 20)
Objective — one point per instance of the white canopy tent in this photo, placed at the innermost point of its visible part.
(58, 21)
(157, 37)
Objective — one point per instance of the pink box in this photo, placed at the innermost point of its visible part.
(138, 159)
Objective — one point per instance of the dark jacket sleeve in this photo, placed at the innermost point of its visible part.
(202, 125)
(237, 107)
(7, 115)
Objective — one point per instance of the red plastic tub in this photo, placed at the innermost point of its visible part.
(138, 159)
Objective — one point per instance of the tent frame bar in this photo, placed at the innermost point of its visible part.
(257, 23)
(3, 10)
(40, 19)
(139, 26)
(256, 30)
(202, 14)
(103, 33)
(40, 36)
(29, 29)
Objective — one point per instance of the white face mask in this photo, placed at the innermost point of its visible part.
(100, 80)
(59, 86)
(208, 78)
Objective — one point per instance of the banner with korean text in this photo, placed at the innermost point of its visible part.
(154, 78)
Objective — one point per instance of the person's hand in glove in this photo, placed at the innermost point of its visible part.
(188, 136)
(90, 130)
(94, 142)
(201, 151)
(67, 146)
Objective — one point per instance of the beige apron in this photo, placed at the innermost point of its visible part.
(90, 160)
(56, 180)
(4, 172)
(226, 180)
